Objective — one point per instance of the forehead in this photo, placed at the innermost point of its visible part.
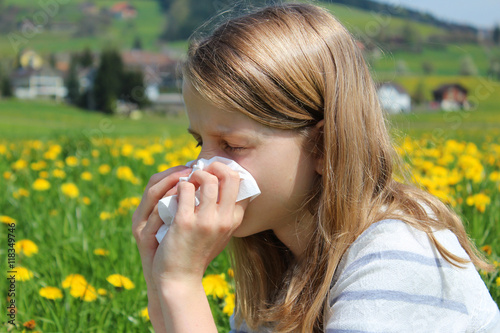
(203, 114)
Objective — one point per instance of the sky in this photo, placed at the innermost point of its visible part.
(480, 13)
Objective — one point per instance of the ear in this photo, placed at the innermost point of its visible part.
(319, 146)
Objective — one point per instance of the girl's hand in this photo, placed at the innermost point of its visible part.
(159, 185)
(198, 233)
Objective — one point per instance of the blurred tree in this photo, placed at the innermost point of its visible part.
(133, 89)
(72, 83)
(496, 35)
(52, 60)
(419, 94)
(427, 67)
(86, 59)
(468, 67)
(137, 43)
(6, 87)
(108, 80)
(165, 4)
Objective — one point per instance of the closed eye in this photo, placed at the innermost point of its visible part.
(228, 147)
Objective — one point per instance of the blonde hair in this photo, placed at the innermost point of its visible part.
(290, 67)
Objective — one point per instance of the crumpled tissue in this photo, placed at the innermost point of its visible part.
(167, 207)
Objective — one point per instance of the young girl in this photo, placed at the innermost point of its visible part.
(333, 243)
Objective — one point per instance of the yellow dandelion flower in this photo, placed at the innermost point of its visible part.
(104, 169)
(101, 252)
(495, 176)
(229, 304)
(127, 149)
(86, 176)
(26, 246)
(71, 161)
(70, 190)
(86, 292)
(8, 175)
(498, 281)
(145, 314)
(41, 185)
(59, 164)
(120, 281)
(7, 219)
(479, 200)
(74, 280)
(102, 292)
(230, 272)
(85, 162)
(215, 285)
(58, 173)
(19, 164)
(51, 293)
(43, 174)
(162, 167)
(125, 173)
(37, 166)
(95, 153)
(105, 216)
(22, 273)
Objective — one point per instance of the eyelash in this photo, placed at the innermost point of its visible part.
(226, 147)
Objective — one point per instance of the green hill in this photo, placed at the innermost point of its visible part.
(151, 21)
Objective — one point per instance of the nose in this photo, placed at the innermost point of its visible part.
(209, 153)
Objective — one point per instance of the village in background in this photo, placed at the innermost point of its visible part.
(131, 80)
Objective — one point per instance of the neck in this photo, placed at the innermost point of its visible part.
(296, 235)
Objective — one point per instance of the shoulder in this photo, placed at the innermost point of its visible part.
(394, 278)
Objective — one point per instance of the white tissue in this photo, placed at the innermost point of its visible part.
(167, 207)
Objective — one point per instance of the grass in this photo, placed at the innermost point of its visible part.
(22, 119)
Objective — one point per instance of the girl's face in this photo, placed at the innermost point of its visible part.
(279, 160)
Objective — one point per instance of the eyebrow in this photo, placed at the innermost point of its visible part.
(219, 132)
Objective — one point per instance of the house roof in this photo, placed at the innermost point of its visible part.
(447, 86)
(121, 6)
(144, 58)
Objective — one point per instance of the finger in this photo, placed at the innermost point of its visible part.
(153, 224)
(155, 193)
(186, 201)
(229, 183)
(209, 188)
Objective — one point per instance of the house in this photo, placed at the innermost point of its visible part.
(158, 70)
(393, 98)
(451, 97)
(123, 10)
(29, 82)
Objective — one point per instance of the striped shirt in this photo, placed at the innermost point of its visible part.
(393, 279)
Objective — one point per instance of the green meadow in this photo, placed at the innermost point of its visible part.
(71, 179)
